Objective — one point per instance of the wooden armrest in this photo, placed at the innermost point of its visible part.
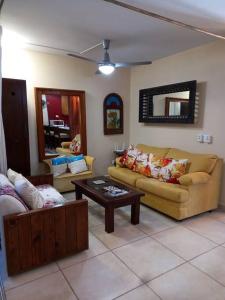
(43, 235)
(37, 211)
(41, 179)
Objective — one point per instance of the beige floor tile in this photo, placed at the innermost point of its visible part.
(187, 283)
(102, 277)
(69, 196)
(147, 258)
(150, 223)
(208, 227)
(14, 281)
(213, 263)
(158, 215)
(94, 220)
(50, 287)
(95, 248)
(141, 293)
(122, 235)
(218, 215)
(184, 242)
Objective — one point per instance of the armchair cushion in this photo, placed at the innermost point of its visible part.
(194, 178)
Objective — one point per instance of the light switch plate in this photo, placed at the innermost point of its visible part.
(207, 138)
(200, 138)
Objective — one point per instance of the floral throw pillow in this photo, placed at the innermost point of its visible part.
(75, 144)
(129, 157)
(171, 169)
(141, 164)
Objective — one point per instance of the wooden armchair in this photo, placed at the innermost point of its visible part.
(43, 235)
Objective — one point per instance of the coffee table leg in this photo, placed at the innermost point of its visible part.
(78, 193)
(109, 219)
(135, 212)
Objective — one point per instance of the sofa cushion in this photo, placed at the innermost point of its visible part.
(197, 162)
(155, 150)
(173, 192)
(124, 175)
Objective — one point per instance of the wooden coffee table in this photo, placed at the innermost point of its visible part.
(99, 195)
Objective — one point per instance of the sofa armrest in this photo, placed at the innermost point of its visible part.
(43, 235)
(194, 178)
(41, 179)
(89, 161)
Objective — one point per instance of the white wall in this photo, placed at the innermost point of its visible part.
(56, 71)
(206, 64)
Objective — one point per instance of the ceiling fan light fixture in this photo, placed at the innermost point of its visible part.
(106, 69)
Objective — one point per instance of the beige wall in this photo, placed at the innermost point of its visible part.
(206, 64)
(56, 71)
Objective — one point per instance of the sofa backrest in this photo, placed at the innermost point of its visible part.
(197, 162)
(151, 149)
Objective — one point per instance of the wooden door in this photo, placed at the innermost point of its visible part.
(15, 121)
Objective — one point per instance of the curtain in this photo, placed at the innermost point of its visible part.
(3, 160)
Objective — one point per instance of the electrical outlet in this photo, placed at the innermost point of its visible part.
(207, 138)
(200, 138)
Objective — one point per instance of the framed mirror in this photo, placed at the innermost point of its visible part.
(174, 103)
(61, 116)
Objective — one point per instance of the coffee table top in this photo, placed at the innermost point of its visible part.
(96, 185)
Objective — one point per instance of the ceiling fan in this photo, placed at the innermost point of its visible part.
(106, 66)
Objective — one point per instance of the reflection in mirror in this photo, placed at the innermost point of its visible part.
(60, 119)
(171, 104)
(57, 127)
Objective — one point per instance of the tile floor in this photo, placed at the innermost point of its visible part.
(157, 259)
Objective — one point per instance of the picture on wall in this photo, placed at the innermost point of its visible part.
(113, 114)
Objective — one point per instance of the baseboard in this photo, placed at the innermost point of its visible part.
(222, 206)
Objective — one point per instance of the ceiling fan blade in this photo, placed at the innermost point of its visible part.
(98, 72)
(131, 64)
(82, 57)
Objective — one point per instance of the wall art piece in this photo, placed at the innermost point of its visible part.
(113, 114)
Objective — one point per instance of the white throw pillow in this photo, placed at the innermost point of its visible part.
(29, 193)
(5, 181)
(10, 205)
(50, 195)
(13, 175)
(59, 169)
(78, 166)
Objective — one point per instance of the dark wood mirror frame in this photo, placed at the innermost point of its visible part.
(39, 117)
(146, 103)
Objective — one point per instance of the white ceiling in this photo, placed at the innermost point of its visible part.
(79, 24)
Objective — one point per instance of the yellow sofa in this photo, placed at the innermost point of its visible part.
(198, 191)
(62, 183)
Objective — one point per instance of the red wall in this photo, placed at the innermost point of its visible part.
(55, 108)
